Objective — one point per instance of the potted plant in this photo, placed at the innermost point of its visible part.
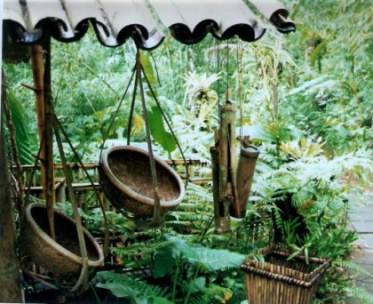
(279, 277)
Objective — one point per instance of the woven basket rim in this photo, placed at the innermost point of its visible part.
(62, 250)
(280, 250)
(104, 162)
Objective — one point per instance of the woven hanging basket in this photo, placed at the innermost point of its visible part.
(62, 255)
(126, 179)
(279, 280)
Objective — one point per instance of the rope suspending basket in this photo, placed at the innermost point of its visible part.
(134, 179)
(280, 280)
(127, 183)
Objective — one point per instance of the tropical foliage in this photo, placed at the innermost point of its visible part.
(304, 99)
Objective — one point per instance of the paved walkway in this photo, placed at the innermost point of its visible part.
(362, 222)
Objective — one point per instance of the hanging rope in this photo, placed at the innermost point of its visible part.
(140, 74)
(168, 125)
(157, 204)
(129, 126)
(83, 277)
(106, 135)
(239, 85)
(96, 190)
(227, 93)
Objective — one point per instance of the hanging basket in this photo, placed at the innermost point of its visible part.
(126, 179)
(278, 280)
(62, 255)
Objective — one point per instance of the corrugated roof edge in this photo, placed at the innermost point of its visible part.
(142, 37)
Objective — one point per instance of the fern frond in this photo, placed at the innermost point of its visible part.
(138, 249)
(123, 286)
(347, 264)
(361, 294)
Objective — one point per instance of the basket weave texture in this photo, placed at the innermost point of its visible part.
(63, 254)
(278, 280)
(126, 179)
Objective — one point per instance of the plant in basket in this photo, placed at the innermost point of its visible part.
(308, 200)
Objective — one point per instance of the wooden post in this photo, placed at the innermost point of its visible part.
(38, 75)
(42, 90)
(9, 268)
(48, 137)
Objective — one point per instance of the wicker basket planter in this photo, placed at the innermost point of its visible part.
(278, 280)
(127, 183)
(62, 255)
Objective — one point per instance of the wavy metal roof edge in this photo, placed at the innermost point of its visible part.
(144, 37)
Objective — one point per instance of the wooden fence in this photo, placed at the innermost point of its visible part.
(84, 189)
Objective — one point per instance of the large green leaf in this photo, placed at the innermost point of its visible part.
(20, 121)
(213, 259)
(158, 131)
(206, 258)
(164, 261)
(196, 285)
(137, 291)
(148, 68)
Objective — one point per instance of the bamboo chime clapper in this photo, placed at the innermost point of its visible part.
(231, 181)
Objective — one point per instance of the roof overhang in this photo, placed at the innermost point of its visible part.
(145, 21)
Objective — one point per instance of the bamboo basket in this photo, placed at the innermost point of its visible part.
(62, 255)
(278, 280)
(127, 183)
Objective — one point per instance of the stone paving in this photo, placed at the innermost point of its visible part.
(362, 222)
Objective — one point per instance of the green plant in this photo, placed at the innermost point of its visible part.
(181, 272)
(138, 292)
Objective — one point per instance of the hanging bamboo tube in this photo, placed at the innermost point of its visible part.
(245, 174)
(226, 165)
(220, 221)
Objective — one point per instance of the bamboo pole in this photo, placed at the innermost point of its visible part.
(226, 159)
(9, 268)
(48, 135)
(38, 75)
(245, 174)
(235, 208)
(219, 221)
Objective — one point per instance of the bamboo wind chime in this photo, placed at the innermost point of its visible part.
(232, 180)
